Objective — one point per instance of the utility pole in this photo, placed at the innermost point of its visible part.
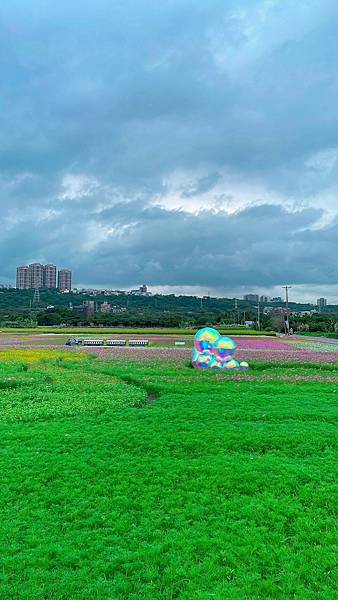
(237, 311)
(258, 315)
(287, 322)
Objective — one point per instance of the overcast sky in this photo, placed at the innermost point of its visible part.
(188, 144)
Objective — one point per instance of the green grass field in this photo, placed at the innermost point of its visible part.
(128, 331)
(145, 482)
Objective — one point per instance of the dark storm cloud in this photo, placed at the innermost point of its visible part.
(103, 103)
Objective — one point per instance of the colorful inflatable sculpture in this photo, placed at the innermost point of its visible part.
(214, 351)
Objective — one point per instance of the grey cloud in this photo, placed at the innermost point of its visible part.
(203, 185)
(266, 244)
(127, 89)
(129, 93)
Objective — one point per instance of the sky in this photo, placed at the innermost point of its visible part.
(185, 144)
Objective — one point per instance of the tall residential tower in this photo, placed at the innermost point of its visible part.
(22, 278)
(36, 275)
(49, 276)
(65, 280)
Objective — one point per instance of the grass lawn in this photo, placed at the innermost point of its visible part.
(155, 481)
(128, 331)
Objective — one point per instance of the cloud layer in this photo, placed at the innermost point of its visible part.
(181, 143)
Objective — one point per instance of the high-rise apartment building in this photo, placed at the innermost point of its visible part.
(65, 280)
(36, 275)
(251, 297)
(49, 276)
(321, 302)
(22, 278)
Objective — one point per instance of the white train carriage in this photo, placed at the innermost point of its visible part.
(93, 342)
(138, 342)
(116, 342)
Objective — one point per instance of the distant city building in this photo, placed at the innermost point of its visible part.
(22, 278)
(251, 297)
(49, 276)
(89, 308)
(65, 280)
(277, 299)
(321, 302)
(141, 291)
(264, 299)
(36, 276)
(6, 286)
(105, 307)
(112, 292)
(118, 309)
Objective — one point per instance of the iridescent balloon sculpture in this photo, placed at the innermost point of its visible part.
(214, 351)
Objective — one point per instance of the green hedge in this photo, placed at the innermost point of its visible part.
(328, 334)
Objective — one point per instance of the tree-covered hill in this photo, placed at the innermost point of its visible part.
(12, 299)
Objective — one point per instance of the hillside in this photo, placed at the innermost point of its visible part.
(22, 299)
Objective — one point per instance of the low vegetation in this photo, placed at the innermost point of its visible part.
(130, 331)
(143, 482)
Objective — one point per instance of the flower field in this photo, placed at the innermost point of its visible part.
(126, 474)
(162, 347)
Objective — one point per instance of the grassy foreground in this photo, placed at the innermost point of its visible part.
(138, 482)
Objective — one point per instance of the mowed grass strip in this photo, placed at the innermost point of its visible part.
(215, 489)
(129, 331)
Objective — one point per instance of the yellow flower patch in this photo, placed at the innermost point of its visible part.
(33, 356)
